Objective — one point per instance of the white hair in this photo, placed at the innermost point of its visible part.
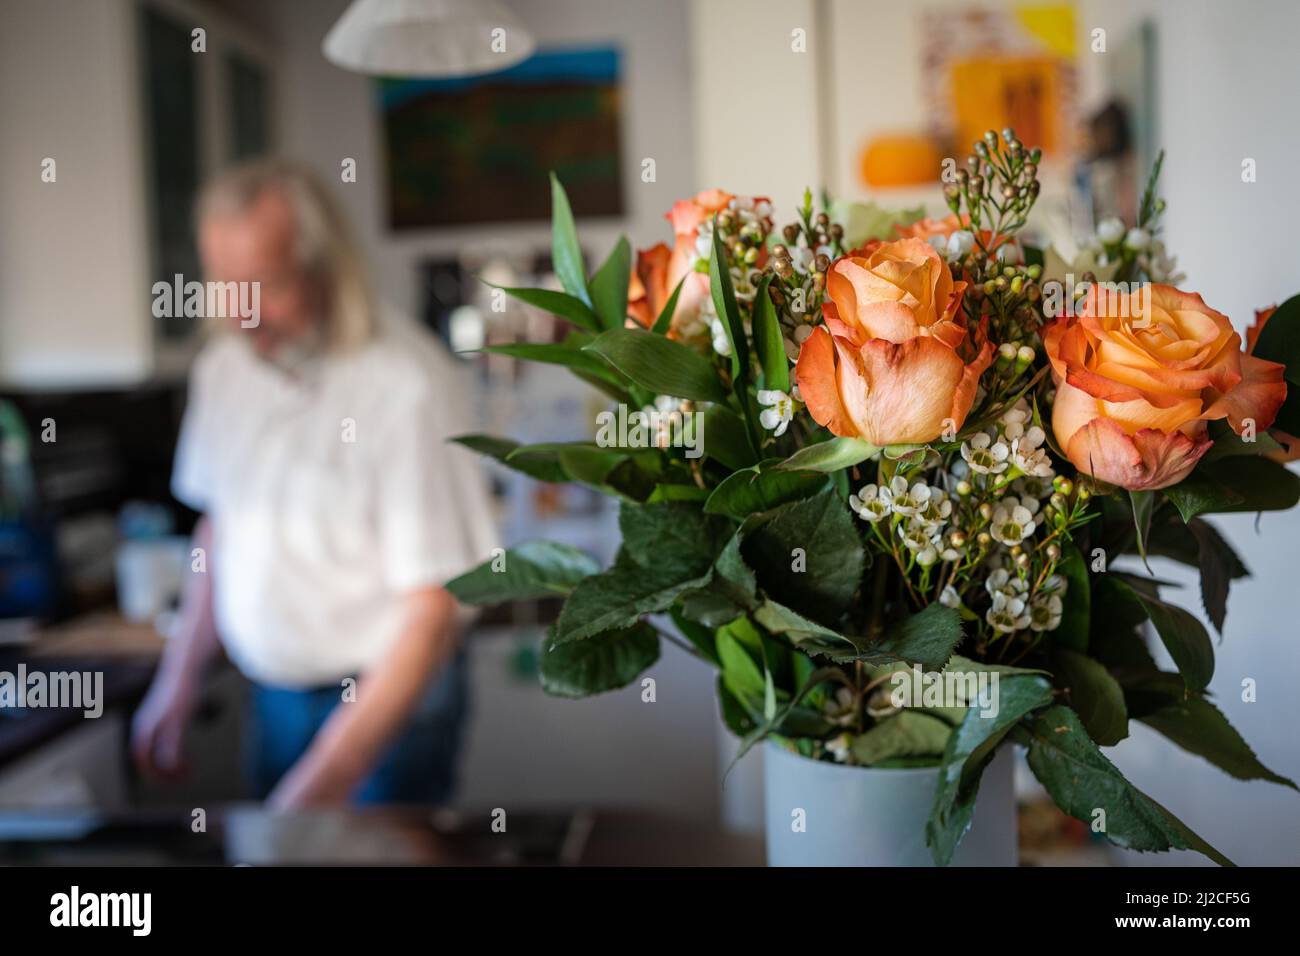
(324, 244)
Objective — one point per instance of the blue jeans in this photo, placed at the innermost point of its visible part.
(419, 766)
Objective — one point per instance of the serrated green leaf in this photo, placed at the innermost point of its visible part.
(749, 490)
(1094, 694)
(968, 752)
(906, 734)
(926, 638)
(617, 598)
(1199, 727)
(534, 569)
(677, 535)
(1082, 781)
(1217, 563)
(807, 555)
(1235, 484)
(1228, 444)
(1182, 634)
(602, 663)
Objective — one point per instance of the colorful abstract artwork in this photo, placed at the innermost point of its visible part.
(990, 68)
(479, 149)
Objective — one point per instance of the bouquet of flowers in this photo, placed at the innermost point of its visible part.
(865, 463)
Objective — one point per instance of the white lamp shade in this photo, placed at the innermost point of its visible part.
(432, 38)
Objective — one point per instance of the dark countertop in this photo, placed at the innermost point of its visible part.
(374, 836)
(126, 654)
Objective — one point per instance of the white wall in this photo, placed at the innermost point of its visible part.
(755, 94)
(74, 297)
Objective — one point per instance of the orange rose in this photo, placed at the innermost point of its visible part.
(927, 228)
(1135, 388)
(659, 269)
(894, 362)
(932, 229)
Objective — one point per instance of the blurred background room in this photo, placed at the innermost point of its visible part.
(634, 104)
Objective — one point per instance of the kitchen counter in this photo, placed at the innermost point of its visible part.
(101, 643)
(374, 836)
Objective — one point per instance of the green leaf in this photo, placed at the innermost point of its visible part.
(1218, 564)
(819, 676)
(1175, 539)
(1228, 444)
(1081, 781)
(668, 549)
(734, 714)
(725, 439)
(542, 467)
(1182, 634)
(1076, 612)
(702, 638)
(739, 670)
(1235, 484)
(724, 302)
(531, 570)
(566, 254)
(1144, 503)
(1199, 727)
(926, 638)
(559, 353)
(828, 456)
(906, 734)
(672, 534)
(692, 493)
(659, 364)
(664, 323)
(610, 470)
(557, 303)
(968, 752)
(1094, 694)
(617, 598)
(604, 662)
(808, 556)
(609, 286)
(769, 343)
(749, 490)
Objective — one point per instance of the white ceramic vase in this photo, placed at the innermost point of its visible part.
(859, 816)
